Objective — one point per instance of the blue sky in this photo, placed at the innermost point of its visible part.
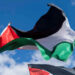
(24, 14)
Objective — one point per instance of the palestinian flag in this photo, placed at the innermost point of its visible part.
(52, 35)
(43, 69)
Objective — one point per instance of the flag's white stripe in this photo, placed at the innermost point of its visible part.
(64, 34)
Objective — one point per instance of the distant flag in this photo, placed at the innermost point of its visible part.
(43, 69)
(35, 71)
(52, 35)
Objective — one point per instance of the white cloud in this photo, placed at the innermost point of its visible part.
(20, 69)
(4, 58)
(13, 68)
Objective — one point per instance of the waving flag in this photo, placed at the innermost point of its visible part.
(52, 35)
(43, 69)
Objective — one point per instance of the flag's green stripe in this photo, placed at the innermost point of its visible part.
(62, 51)
(26, 41)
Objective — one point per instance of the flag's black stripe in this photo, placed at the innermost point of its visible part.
(52, 69)
(47, 25)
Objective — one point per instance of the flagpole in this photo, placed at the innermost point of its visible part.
(9, 23)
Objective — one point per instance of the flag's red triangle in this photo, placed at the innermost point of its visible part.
(35, 71)
(7, 35)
